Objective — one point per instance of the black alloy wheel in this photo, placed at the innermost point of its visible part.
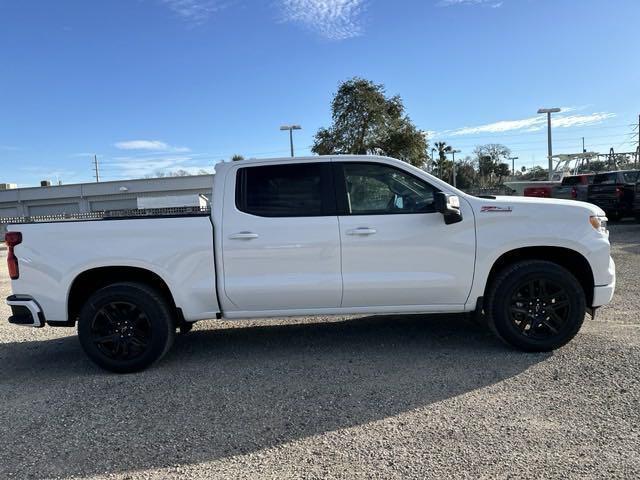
(126, 327)
(535, 305)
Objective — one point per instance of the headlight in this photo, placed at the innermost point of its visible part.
(599, 223)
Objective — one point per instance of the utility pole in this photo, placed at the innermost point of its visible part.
(549, 111)
(584, 150)
(291, 128)
(97, 168)
(433, 160)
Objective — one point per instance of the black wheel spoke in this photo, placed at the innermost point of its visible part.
(520, 310)
(113, 337)
(547, 323)
(539, 308)
(121, 330)
(136, 342)
(558, 304)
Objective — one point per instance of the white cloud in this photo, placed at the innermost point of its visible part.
(136, 167)
(332, 19)
(532, 124)
(9, 148)
(150, 145)
(485, 3)
(195, 11)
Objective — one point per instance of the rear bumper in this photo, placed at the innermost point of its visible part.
(25, 311)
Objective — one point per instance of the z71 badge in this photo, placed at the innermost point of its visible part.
(493, 208)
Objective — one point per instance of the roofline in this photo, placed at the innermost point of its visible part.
(305, 158)
(108, 182)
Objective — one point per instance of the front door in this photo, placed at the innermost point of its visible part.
(280, 239)
(396, 249)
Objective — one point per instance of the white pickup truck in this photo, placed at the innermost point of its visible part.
(314, 236)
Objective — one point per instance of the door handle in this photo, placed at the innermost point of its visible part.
(362, 231)
(243, 236)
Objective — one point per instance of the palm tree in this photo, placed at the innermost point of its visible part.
(441, 165)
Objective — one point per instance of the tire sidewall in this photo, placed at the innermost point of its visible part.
(153, 307)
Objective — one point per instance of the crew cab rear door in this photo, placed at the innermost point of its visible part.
(280, 239)
(396, 249)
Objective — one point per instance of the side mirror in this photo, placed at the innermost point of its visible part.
(449, 206)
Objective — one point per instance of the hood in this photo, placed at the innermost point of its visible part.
(515, 204)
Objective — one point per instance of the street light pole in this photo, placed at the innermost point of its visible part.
(291, 128)
(453, 152)
(549, 111)
(513, 165)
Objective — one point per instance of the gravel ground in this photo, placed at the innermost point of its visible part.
(373, 397)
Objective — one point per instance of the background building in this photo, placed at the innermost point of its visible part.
(94, 197)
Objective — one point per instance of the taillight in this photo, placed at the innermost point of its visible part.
(12, 239)
(574, 192)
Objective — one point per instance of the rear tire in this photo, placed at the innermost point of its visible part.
(126, 327)
(536, 306)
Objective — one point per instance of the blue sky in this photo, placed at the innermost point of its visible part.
(153, 85)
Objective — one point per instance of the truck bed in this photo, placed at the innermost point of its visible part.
(175, 246)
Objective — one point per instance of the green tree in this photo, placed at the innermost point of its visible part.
(488, 158)
(597, 166)
(502, 170)
(466, 175)
(366, 122)
(237, 158)
(536, 173)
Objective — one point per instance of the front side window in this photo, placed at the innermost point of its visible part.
(281, 190)
(375, 189)
(630, 177)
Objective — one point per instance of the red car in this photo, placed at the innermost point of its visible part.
(543, 191)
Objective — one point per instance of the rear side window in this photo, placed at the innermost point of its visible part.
(605, 179)
(294, 190)
(630, 177)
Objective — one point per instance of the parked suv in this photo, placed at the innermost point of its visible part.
(614, 192)
(574, 187)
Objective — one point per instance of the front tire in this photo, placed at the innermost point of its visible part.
(126, 327)
(536, 306)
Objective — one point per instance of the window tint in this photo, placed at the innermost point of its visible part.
(571, 181)
(281, 190)
(630, 177)
(605, 179)
(577, 180)
(379, 189)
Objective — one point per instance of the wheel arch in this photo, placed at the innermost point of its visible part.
(90, 281)
(567, 258)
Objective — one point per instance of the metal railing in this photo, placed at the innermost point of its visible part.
(110, 214)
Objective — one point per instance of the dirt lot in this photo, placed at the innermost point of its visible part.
(384, 397)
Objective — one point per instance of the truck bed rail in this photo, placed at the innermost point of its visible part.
(110, 215)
